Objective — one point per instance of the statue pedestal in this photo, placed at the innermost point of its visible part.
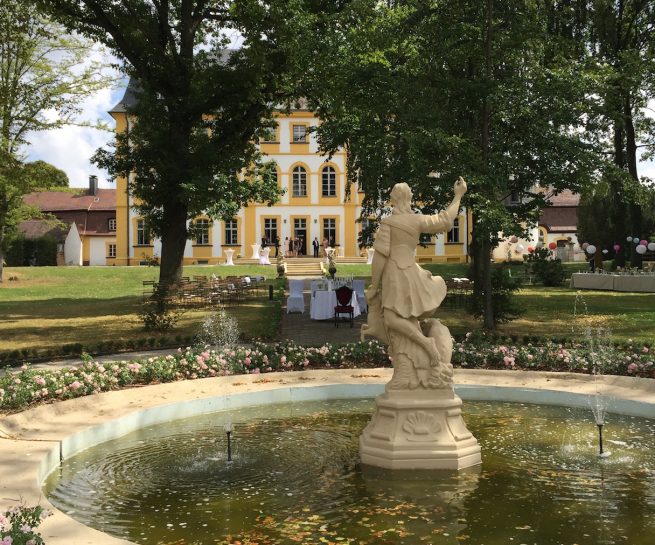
(418, 429)
(228, 256)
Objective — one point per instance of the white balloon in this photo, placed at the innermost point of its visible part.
(651, 246)
(629, 239)
(641, 249)
(591, 249)
(604, 251)
(520, 248)
(635, 240)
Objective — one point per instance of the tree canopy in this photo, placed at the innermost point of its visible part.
(45, 176)
(487, 90)
(44, 76)
(200, 107)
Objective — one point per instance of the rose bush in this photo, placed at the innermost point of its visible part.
(28, 386)
(19, 525)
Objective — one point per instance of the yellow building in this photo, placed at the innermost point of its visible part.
(313, 206)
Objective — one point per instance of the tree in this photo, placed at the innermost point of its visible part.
(41, 70)
(44, 175)
(479, 89)
(622, 44)
(200, 107)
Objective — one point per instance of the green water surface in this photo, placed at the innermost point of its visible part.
(296, 478)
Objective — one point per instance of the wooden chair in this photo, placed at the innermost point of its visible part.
(344, 305)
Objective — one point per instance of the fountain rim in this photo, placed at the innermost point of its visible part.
(33, 442)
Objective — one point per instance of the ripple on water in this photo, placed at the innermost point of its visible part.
(295, 478)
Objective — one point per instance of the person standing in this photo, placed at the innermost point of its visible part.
(316, 245)
(292, 247)
(286, 246)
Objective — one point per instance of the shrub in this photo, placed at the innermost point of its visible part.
(18, 525)
(157, 315)
(503, 287)
(548, 270)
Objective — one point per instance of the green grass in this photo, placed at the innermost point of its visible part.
(554, 312)
(47, 307)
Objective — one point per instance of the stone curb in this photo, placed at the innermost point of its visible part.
(39, 437)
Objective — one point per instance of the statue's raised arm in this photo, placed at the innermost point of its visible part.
(403, 296)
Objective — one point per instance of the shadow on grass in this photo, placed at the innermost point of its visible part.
(68, 308)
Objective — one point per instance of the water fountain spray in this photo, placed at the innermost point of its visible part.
(228, 431)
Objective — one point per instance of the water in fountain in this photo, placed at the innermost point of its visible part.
(296, 479)
(599, 341)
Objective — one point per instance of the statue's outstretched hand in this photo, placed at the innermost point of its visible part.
(460, 187)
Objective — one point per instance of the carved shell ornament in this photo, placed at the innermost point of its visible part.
(421, 425)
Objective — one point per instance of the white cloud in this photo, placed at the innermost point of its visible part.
(70, 148)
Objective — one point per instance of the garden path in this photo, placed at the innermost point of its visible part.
(302, 330)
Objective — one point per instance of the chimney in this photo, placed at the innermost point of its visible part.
(93, 185)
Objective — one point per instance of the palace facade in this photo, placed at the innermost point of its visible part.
(314, 205)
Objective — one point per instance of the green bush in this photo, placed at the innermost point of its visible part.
(503, 286)
(547, 270)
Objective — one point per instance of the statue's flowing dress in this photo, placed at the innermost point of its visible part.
(409, 290)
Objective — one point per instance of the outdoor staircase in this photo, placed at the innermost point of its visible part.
(303, 267)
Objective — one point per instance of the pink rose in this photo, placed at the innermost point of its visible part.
(75, 385)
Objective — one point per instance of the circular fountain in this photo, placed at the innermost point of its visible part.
(296, 477)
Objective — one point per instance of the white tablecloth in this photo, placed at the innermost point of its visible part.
(614, 282)
(586, 281)
(322, 305)
(635, 283)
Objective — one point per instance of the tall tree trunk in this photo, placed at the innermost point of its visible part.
(173, 241)
(489, 316)
(619, 209)
(634, 208)
(485, 244)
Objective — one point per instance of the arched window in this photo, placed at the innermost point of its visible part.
(299, 182)
(329, 182)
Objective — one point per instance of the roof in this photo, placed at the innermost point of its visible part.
(57, 201)
(560, 219)
(32, 229)
(129, 97)
(564, 198)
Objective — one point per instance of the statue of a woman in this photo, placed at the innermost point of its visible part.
(403, 296)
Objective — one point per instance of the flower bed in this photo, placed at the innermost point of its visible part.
(28, 386)
(18, 525)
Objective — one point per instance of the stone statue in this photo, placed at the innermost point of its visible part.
(403, 296)
(417, 422)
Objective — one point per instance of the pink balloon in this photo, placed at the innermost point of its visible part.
(643, 242)
(514, 239)
(584, 245)
(617, 247)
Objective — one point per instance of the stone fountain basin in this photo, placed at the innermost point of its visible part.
(33, 442)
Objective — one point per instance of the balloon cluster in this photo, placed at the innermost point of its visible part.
(643, 245)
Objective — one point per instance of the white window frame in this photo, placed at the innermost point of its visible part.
(453, 235)
(299, 134)
(299, 181)
(329, 181)
(231, 232)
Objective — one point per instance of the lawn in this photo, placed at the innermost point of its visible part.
(552, 312)
(47, 307)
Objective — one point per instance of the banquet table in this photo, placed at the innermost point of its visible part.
(613, 282)
(321, 306)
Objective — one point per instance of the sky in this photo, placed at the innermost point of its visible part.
(70, 148)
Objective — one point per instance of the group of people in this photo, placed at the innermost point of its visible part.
(296, 247)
